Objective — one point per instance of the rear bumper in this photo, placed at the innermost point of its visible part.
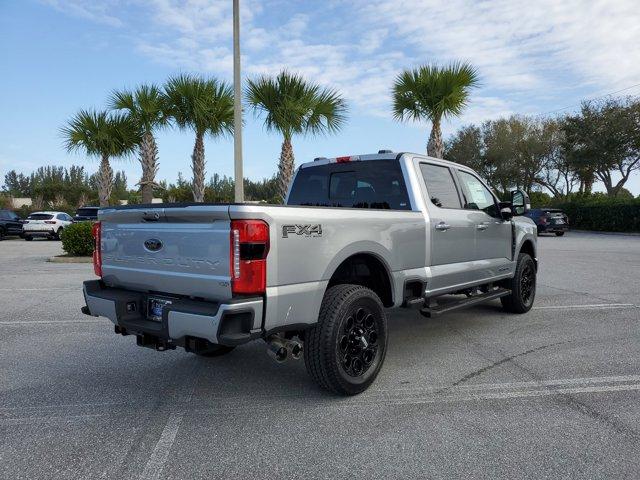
(231, 323)
(552, 228)
(40, 231)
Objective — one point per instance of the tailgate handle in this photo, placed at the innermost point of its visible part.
(150, 216)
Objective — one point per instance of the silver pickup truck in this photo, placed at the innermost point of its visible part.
(358, 235)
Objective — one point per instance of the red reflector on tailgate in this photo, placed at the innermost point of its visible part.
(96, 231)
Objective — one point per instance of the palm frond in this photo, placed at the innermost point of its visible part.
(101, 134)
(431, 92)
(291, 105)
(204, 105)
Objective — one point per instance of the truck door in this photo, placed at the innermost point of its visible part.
(493, 234)
(452, 227)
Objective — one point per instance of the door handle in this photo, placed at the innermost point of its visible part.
(443, 226)
(482, 226)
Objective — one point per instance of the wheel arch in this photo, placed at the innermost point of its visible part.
(528, 246)
(366, 269)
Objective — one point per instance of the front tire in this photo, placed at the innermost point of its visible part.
(559, 234)
(28, 238)
(522, 286)
(345, 350)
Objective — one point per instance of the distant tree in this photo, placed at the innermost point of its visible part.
(146, 106)
(103, 135)
(120, 190)
(17, 184)
(466, 146)
(603, 140)
(433, 93)
(557, 174)
(294, 106)
(204, 106)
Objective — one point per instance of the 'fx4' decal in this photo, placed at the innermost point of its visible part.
(302, 230)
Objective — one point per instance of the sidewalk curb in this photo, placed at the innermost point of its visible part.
(623, 234)
(62, 259)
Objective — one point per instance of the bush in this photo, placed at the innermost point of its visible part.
(77, 240)
(602, 213)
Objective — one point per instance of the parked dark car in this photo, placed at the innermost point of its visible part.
(550, 220)
(10, 224)
(84, 214)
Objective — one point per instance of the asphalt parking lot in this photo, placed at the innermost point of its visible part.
(554, 393)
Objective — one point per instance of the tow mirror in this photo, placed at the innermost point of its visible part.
(520, 203)
(506, 213)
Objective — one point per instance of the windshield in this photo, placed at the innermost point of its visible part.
(87, 212)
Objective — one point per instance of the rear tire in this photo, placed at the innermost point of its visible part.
(559, 234)
(58, 233)
(1, 234)
(215, 351)
(28, 238)
(345, 350)
(522, 286)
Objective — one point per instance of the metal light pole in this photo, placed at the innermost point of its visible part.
(237, 106)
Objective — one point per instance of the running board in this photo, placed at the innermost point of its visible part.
(467, 302)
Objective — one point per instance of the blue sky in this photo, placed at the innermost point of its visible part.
(533, 57)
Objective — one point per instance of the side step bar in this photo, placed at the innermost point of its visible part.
(467, 302)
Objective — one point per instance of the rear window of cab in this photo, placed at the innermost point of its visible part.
(376, 184)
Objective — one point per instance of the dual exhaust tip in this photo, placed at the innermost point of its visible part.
(280, 349)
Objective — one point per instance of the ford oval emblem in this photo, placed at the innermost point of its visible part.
(153, 244)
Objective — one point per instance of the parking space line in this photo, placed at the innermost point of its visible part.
(158, 458)
(44, 322)
(594, 306)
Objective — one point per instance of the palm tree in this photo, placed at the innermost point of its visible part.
(294, 106)
(103, 135)
(205, 106)
(145, 106)
(432, 93)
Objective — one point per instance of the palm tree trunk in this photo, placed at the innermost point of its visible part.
(285, 168)
(149, 163)
(435, 147)
(105, 181)
(198, 168)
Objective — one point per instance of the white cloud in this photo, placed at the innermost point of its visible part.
(519, 44)
(526, 52)
(95, 11)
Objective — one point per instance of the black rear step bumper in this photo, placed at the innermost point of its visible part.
(183, 323)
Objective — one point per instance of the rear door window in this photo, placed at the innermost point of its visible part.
(440, 186)
(377, 184)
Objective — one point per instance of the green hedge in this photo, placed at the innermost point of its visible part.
(603, 214)
(77, 240)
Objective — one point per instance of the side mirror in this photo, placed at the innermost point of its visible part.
(520, 203)
(506, 213)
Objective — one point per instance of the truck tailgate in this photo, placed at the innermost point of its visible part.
(172, 250)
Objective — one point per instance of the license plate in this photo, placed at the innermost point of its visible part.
(155, 306)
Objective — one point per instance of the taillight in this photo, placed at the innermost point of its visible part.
(96, 231)
(343, 159)
(249, 248)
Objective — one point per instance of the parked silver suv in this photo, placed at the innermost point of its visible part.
(358, 234)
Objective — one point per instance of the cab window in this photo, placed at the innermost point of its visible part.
(441, 188)
(476, 195)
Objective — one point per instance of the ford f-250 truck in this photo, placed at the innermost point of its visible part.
(358, 235)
